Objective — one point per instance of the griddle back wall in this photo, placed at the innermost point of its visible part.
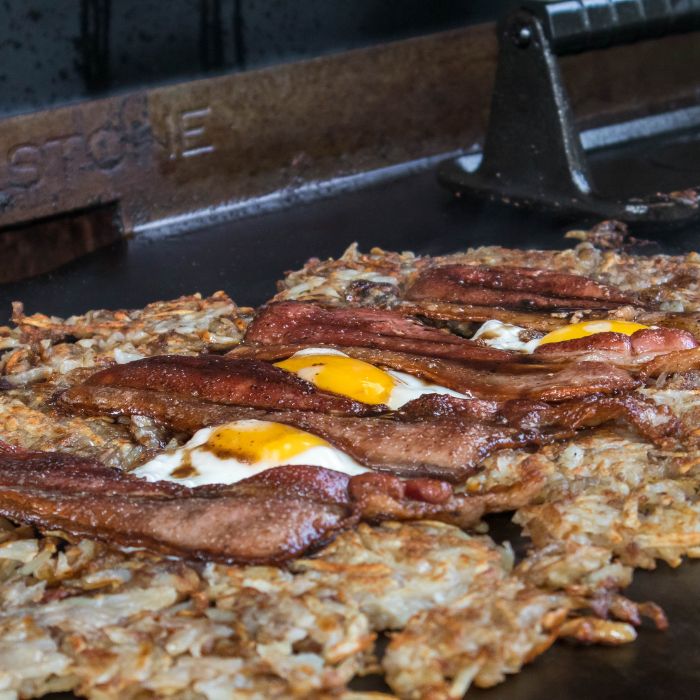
(54, 52)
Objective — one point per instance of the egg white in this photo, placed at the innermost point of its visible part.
(504, 336)
(409, 388)
(211, 469)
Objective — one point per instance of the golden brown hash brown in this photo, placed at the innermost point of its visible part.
(378, 276)
(457, 608)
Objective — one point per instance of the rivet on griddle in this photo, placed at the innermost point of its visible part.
(522, 36)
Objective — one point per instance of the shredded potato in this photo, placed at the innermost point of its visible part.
(457, 608)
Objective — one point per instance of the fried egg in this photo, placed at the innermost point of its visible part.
(506, 336)
(334, 371)
(228, 453)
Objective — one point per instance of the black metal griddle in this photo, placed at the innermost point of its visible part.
(245, 249)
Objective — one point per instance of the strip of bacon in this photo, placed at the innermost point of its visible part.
(661, 341)
(229, 381)
(448, 311)
(553, 421)
(284, 325)
(672, 363)
(513, 287)
(379, 496)
(654, 422)
(292, 322)
(256, 523)
(269, 518)
(618, 347)
(508, 380)
(398, 499)
(446, 448)
(445, 445)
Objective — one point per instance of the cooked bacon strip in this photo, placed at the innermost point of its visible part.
(662, 341)
(613, 344)
(513, 287)
(654, 422)
(448, 311)
(428, 406)
(528, 279)
(553, 421)
(618, 347)
(62, 471)
(444, 448)
(381, 497)
(269, 518)
(229, 381)
(671, 363)
(253, 524)
(510, 380)
(290, 322)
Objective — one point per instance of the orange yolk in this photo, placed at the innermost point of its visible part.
(273, 442)
(343, 375)
(586, 328)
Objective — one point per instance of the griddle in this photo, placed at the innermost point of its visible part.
(412, 213)
(158, 154)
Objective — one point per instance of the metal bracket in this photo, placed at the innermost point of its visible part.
(533, 156)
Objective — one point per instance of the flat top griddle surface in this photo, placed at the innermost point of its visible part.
(245, 258)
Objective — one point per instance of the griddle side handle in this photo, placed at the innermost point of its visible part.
(532, 137)
(533, 156)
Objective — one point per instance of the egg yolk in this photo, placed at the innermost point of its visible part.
(270, 442)
(343, 375)
(581, 330)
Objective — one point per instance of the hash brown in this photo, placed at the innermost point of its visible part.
(459, 609)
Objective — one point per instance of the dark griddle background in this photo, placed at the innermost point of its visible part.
(245, 257)
(57, 52)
